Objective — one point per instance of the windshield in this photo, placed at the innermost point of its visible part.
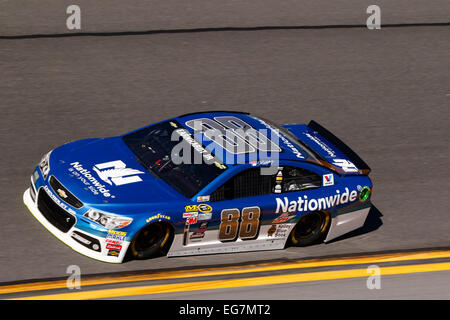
(170, 152)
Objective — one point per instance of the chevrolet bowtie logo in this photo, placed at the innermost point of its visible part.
(62, 193)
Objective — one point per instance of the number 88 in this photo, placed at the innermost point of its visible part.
(249, 224)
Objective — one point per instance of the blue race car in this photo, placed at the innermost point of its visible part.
(201, 183)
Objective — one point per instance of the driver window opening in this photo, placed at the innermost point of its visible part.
(251, 183)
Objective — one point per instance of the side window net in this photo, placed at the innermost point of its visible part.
(251, 183)
(248, 183)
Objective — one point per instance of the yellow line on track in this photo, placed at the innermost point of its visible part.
(233, 283)
(48, 285)
(203, 272)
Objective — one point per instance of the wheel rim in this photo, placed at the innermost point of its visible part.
(309, 225)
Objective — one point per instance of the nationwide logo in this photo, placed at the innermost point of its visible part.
(88, 179)
(322, 145)
(305, 204)
(116, 172)
(346, 165)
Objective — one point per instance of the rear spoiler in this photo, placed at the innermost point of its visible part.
(338, 143)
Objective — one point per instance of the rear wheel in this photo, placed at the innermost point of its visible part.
(310, 229)
(152, 241)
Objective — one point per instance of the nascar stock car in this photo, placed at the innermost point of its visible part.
(200, 183)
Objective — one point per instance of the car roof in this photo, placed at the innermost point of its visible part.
(288, 148)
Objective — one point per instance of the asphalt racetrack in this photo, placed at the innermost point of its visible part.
(384, 92)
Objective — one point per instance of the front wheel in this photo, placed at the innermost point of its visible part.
(152, 241)
(310, 229)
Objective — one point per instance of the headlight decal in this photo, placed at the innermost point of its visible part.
(44, 165)
(108, 220)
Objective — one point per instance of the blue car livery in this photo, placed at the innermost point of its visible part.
(200, 183)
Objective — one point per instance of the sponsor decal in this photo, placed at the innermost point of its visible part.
(322, 145)
(328, 180)
(192, 220)
(282, 231)
(205, 208)
(112, 246)
(190, 208)
(305, 204)
(203, 198)
(346, 165)
(114, 240)
(205, 216)
(285, 216)
(158, 217)
(86, 177)
(190, 215)
(113, 253)
(199, 233)
(364, 194)
(255, 163)
(271, 230)
(116, 172)
(195, 208)
(116, 235)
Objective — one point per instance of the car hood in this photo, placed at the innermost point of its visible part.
(105, 171)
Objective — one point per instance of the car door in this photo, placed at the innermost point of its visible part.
(240, 212)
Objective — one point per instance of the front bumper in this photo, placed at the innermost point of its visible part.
(69, 238)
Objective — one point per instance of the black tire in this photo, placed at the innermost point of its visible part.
(310, 229)
(152, 241)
